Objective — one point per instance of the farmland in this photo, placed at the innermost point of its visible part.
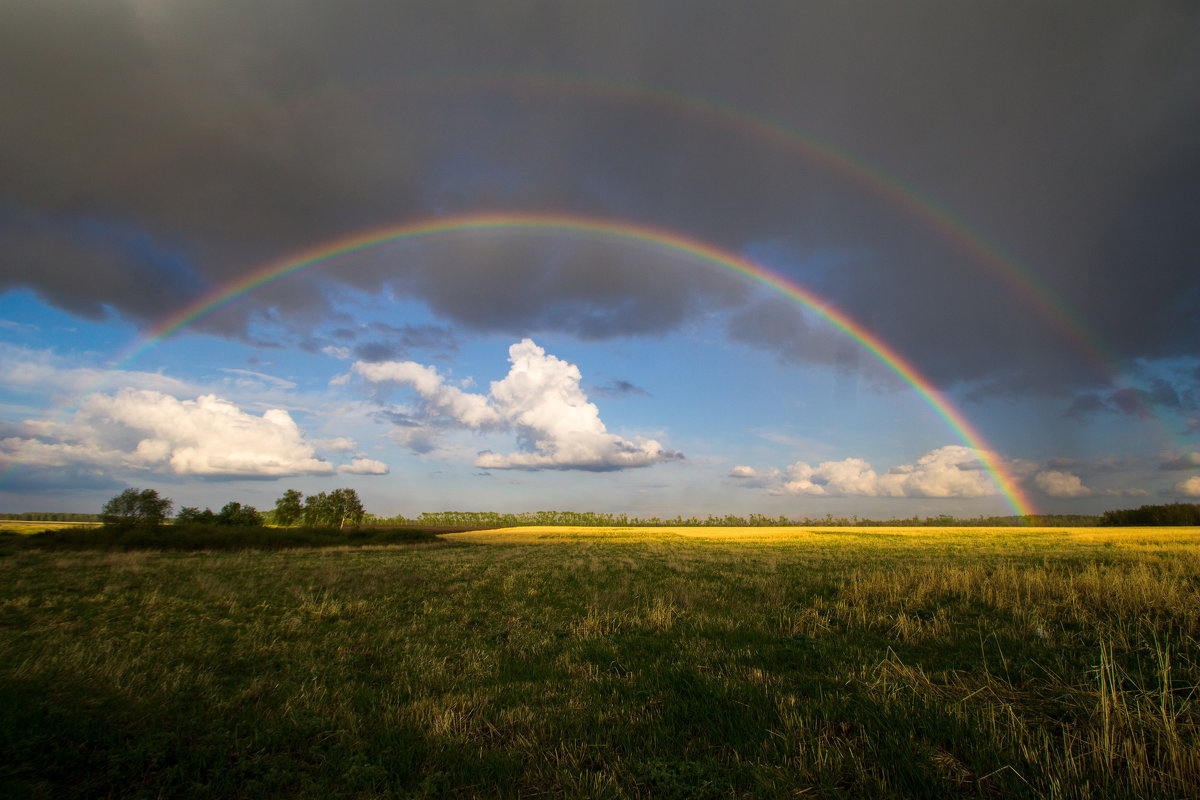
(37, 526)
(688, 662)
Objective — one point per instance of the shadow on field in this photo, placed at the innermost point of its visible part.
(195, 538)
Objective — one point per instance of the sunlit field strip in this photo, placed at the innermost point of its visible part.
(37, 526)
(861, 535)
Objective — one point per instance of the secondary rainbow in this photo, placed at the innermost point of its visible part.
(849, 165)
(670, 241)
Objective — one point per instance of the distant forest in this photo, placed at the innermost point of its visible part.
(1171, 514)
(52, 516)
(492, 519)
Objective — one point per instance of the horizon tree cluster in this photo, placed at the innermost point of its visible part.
(145, 508)
(335, 509)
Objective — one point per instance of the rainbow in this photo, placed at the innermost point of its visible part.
(669, 241)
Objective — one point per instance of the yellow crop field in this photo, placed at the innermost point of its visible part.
(37, 526)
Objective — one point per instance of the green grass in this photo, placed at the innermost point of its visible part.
(610, 663)
(210, 538)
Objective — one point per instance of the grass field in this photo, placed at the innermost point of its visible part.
(665, 663)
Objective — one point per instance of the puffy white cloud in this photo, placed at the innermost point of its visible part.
(1057, 483)
(1188, 488)
(950, 471)
(540, 399)
(441, 399)
(364, 466)
(140, 429)
(743, 472)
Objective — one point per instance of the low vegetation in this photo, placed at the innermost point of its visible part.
(213, 536)
(689, 662)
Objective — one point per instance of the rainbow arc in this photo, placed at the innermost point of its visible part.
(658, 238)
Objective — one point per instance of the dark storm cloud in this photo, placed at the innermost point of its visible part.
(1087, 404)
(1142, 403)
(151, 150)
(1131, 401)
(593, 289)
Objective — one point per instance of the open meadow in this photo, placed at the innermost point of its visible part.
(664, 663)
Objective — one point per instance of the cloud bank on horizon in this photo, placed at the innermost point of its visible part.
(1006, 194)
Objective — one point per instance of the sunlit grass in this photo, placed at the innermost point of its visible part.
(35, 526)
(612, 663)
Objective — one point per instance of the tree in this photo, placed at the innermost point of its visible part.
(189, 515)
(289, 509)
(345, 507)
(315, 509)
(334, 510)
(136, 509)
(234, 513)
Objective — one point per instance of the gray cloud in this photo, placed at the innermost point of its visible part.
(152, 150)
(1130, 400)
(1179, 461)
(617, 387)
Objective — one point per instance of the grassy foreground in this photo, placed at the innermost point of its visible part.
(611, 663)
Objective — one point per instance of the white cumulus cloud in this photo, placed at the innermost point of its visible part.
(1188, 488)
(440, 398)
(950, 471)
(1057, 483)
(141, 429)
(339, 445)
(364, 466)
(540, 399)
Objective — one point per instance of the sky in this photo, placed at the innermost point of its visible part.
(655, 258)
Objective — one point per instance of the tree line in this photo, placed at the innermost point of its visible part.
(342, 508)
(335, 509)
(1171, 514)
(145, 508)
(52, 516)
(492, 519)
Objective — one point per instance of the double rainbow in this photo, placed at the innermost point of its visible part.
(658, 238)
